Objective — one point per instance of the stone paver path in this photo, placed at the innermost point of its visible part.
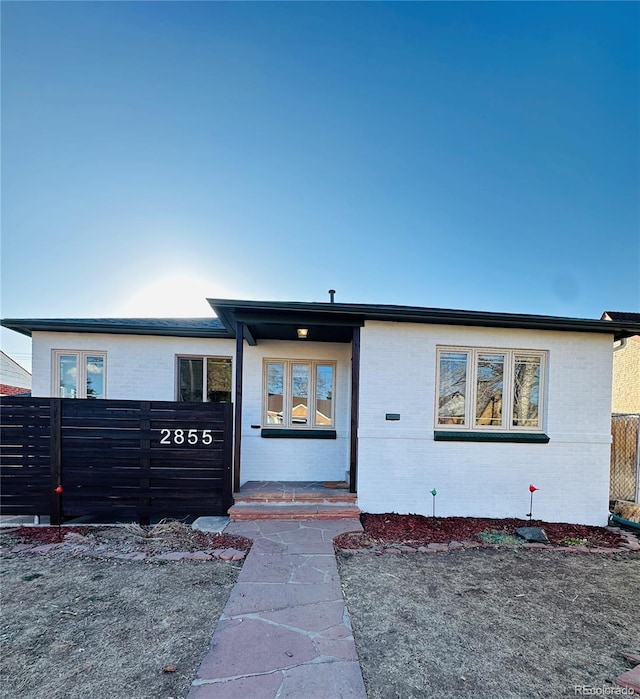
(285, 630)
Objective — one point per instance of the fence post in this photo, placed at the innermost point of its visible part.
(227, 465)
(55, 459)
(144, 502)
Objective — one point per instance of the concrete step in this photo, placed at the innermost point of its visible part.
(293, 510)
(300, 491)
(333, 496)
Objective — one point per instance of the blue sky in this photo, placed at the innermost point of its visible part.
(463, 155)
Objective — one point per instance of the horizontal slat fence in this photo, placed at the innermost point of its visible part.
(25, 439)
(115, 459)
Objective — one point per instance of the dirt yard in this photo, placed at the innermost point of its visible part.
(507, 623)
(99, 614)
(80, 625)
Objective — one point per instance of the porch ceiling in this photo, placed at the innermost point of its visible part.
(283, 324)
(317, 333)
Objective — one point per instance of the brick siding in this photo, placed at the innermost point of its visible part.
(626, 378)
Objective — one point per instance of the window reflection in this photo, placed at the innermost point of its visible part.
(489, 389)
(275, 394)
(324, 394)
(95, 377)
(68, 372)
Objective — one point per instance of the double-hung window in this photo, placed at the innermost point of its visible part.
(79, 374)
(490, 389)
(299, 394)
(205, 379)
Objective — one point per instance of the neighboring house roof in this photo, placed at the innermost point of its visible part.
(623, 316)
(331, 322)
(14, 379)
(180, 327)
(14, 390)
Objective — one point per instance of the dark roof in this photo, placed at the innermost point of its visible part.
(622, 316)
(260, 315)
(328, 322)
(180, 327)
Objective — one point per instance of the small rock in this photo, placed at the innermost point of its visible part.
(391, 549)
(22, 547)
(406, 549)
(198, 556)
(44, 548)
(437, 547)
(456, 545)
(533, 535)
(228, 554)
(215, 552)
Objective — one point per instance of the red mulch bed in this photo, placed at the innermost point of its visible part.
(44, 534)
(389, 529)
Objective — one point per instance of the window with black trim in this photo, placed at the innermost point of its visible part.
(299, 394)
(485, 389)
(204, 379)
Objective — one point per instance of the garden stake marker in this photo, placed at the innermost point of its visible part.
(434, 492)
(532, 490)
(59, 490)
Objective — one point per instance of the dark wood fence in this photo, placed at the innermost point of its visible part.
(114, 459)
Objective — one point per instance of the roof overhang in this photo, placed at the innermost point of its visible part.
(325, 322)
(173, 327)
(334, 321)
(281, 320)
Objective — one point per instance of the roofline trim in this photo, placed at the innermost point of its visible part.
(28, 327)
(226, 309)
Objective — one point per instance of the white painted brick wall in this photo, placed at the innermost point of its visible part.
(399, 462)
(294, 459)
(141, 367)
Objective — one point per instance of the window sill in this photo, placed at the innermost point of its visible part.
(297, 434)
(520, 437)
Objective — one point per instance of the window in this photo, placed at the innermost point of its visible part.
(299, 394)
(490, 389)
(79, 374)
(204, 379)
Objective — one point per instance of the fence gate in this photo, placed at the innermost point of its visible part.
(625, 458)
(114, 459)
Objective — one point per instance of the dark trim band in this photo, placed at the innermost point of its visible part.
(297, 434)
(520, 437)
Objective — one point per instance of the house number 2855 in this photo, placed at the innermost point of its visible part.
(186, 437)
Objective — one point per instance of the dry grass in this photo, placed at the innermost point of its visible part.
(165, 529)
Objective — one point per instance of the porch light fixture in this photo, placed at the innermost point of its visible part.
(302, 333)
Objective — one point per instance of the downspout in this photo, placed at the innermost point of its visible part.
(622, 345)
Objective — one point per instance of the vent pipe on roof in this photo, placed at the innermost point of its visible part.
(332, 294)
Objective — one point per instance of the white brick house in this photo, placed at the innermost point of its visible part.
(398, 400)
